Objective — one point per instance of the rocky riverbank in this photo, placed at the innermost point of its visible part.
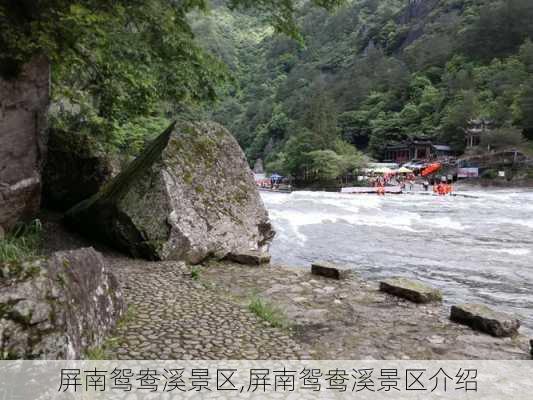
(203, 312)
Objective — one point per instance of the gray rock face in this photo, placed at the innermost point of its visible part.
(23, 106)
(76, 168)
(484, 319)
(330, 270)
(190, 195)
(252, 257)
(414, 291)
(58, 307)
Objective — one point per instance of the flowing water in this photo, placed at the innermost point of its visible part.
(474, 249)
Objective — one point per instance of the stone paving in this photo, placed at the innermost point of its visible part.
(352, 320)
(173, 316)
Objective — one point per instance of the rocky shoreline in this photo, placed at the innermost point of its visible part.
(179, 311)
(353, 319)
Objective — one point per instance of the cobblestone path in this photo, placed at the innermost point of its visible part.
(173, 316)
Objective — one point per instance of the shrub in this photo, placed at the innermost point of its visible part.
(268, 312)
(22, 243)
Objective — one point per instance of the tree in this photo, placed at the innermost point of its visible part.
(325, 164)
(123, 59)
(455, 120)
(351, 159)
(526, 109)
(297, 150)
(321, 119)
(499, 139)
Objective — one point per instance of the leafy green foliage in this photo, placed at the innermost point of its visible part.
(268, 312)
(502, 138)
(369, 72)
(375, 72)
(118, 66)
(22, 243)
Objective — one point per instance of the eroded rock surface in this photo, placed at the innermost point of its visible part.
(484, 319)
(330, 270)
(252, 257)
(190, 195)
(57, 308)
(411, 290)
(23, 105)
(352, 319)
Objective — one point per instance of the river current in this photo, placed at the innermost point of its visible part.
(475, 249)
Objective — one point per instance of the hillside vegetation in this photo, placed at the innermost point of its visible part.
(370, 73)
(312, 87)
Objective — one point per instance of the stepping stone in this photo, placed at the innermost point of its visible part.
(330, 270)
(414, 291)
(252, 257)
(482, 318)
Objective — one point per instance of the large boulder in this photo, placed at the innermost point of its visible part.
(76, 168)
(23, 106)
(190, 195)
(57, 308)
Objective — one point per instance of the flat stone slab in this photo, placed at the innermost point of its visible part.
(484, 319)
(411, 290)
(251, 257)
(330, 270)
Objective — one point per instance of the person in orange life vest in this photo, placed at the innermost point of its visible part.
(380, 184)
(439, 188)
(449, 188)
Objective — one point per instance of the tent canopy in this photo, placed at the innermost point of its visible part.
(404, 170)
(383, 170)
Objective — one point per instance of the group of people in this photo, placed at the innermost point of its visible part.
(441, 188)
(404, 181)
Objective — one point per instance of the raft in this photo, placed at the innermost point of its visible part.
(431, 169)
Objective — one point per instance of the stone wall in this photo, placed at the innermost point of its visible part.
(23, 106)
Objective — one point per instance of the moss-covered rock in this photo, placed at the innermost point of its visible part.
(412, 290)
(190, 195)
(484, 319)
(67, 305)
(76, 168)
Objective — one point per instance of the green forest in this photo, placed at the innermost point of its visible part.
(318, 85)
(373, 73)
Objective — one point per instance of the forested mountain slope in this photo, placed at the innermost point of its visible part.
(373, 72)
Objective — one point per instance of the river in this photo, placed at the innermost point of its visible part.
(474, 249)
